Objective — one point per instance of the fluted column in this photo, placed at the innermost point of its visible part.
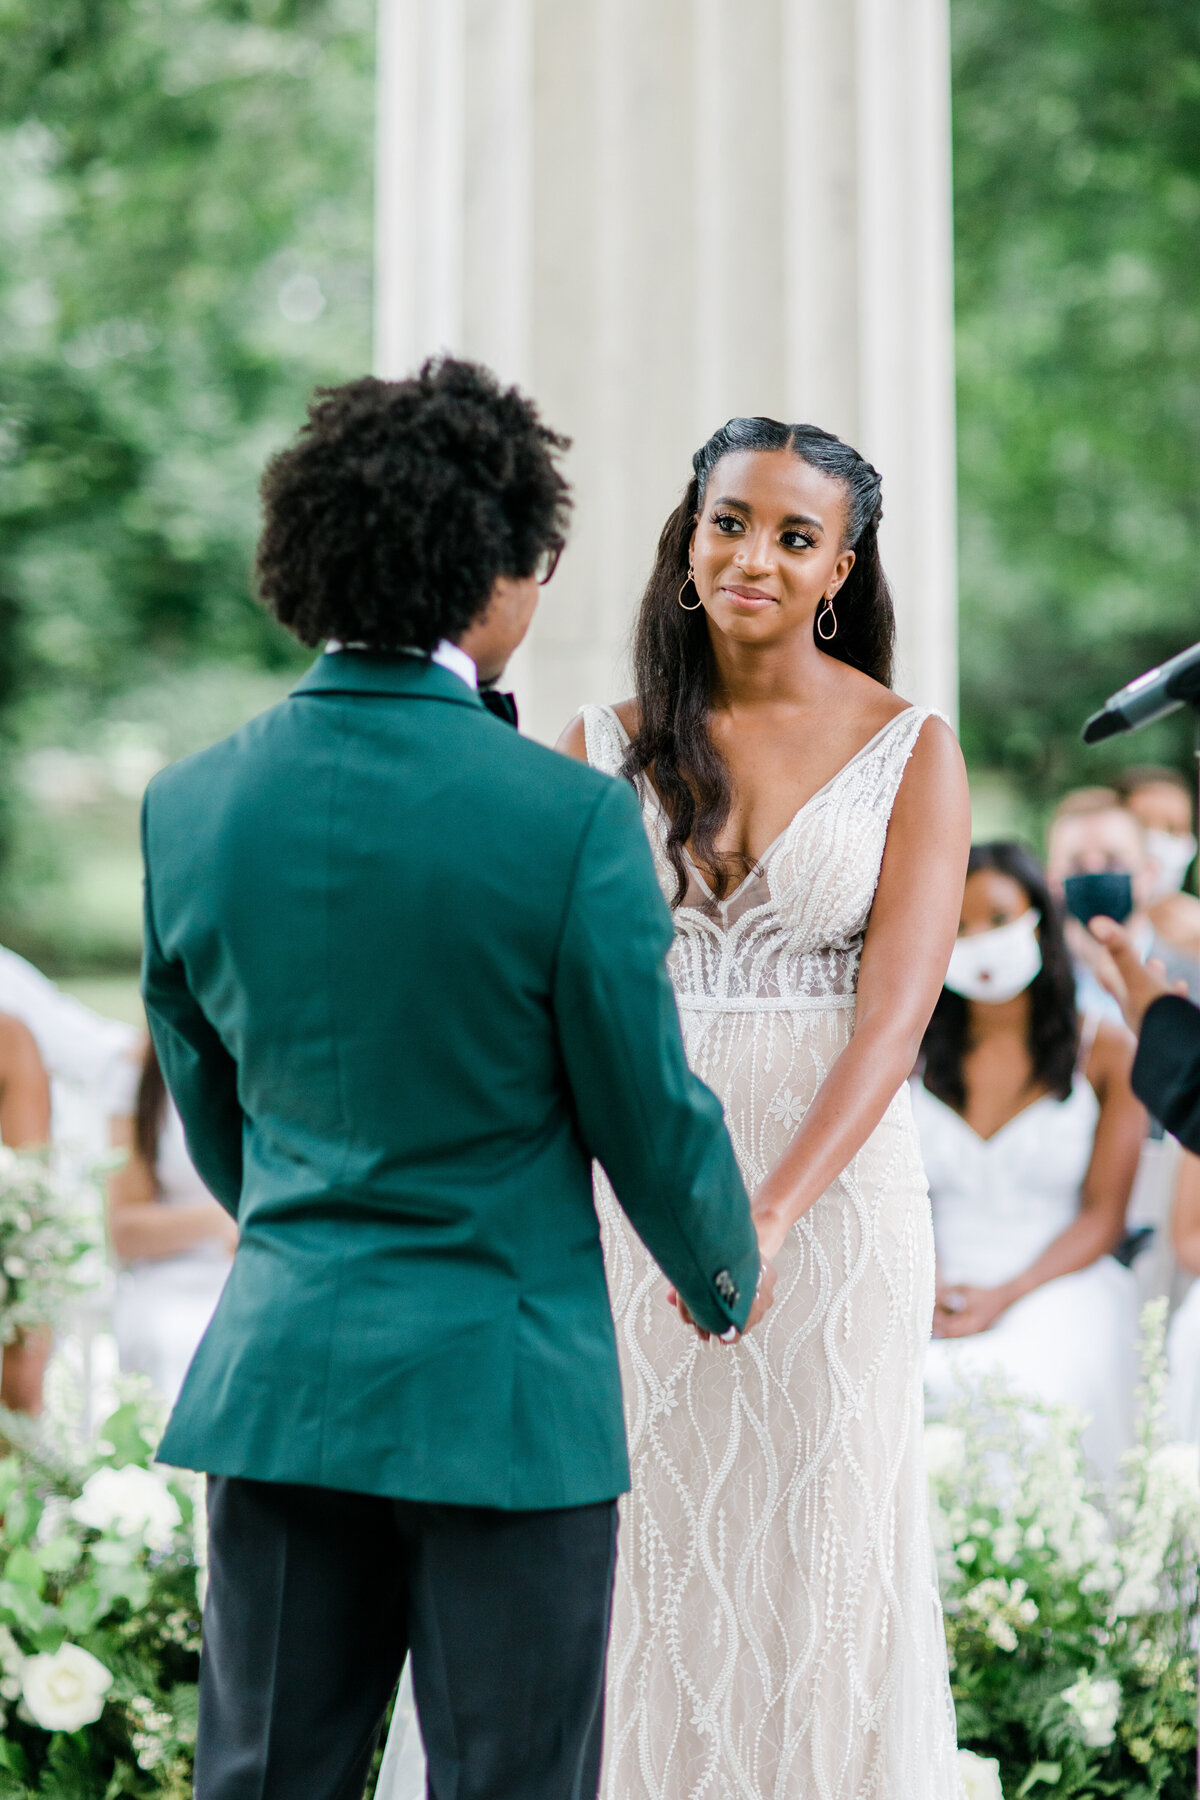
(657, 213)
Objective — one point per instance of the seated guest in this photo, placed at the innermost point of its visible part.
(175, 1241)
(1030, 1135)
(91, 1061)
(1098, 863)
(24, 1125)
(1161, 800)
(1183, 1339)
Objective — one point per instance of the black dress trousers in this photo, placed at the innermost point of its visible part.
(314, 1598)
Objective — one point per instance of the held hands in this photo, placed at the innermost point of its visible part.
(1133, 986)
(770, 1239)
(764, 1295)
(961, 1311)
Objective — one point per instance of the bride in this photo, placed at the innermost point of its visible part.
(776, 1626)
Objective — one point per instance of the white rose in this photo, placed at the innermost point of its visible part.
(129, 1500)
(65, 1691)
(979, 1776)
(945, 1451)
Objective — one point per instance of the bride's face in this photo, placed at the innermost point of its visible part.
(767, 546)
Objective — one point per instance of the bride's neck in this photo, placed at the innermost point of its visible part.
(747, 674)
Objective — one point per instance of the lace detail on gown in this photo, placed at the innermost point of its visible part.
(777, 1633)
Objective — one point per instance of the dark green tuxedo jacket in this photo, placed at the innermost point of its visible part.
(405, 973)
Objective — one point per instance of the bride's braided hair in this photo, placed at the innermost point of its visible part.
(672, 660)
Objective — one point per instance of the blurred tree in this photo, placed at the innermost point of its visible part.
(1077, 202)
(184, 253)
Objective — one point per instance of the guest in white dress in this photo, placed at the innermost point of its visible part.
(1030, 1134)
(1183, 1339)
(24, 1125)
(175, 1241)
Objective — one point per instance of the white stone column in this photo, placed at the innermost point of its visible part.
(658, 213)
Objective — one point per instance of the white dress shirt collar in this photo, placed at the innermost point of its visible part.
(447, 656)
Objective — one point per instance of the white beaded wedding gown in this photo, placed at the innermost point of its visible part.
(777, 1633)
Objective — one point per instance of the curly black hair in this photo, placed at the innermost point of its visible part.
(390, 517)
(1053, 1017)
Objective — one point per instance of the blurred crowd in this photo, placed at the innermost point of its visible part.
(1059, 1207)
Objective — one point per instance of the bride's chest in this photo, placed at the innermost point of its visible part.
(814, 887)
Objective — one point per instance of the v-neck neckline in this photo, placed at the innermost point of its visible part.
(761, 861)
(978, 1136)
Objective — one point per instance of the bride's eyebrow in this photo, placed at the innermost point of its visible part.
(807, 519)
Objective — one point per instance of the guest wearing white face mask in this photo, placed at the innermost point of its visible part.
(1161, 800)
(1030, 1134)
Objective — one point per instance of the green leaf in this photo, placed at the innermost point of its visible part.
(10, 1480)
(12, 1757)
(21, 1604)
(1042, 1771)
(114, 1552)
(59, 1555)
(21, 1516)
(122, 1430)
(126, 1582)
(23, 1566)
(81, 1607)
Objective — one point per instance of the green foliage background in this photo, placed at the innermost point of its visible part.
(185, 220)
(185, 223)
(1077, 211)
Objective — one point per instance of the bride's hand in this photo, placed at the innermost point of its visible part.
(764, 1295)
(961, 1311)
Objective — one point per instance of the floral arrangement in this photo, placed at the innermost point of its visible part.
(99, 1613)
(49, 1248)
(1071, 1623)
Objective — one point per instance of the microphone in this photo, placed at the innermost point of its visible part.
(1152, 696)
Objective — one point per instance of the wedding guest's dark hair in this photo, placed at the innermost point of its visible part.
(391, 515)
(1053, 1017)
(150, 1108)
(672, 655)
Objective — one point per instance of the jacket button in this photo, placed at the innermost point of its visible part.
(726, 1286)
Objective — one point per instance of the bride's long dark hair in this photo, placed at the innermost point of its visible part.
(672, 654)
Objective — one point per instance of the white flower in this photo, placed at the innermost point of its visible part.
(1177, 1468)
(979, 1776)
(1006, 1541)
(945, 1451)
(1096, 1704)
(12, 1657)
(65, 1691)
(787, 1108)
(129, 1500)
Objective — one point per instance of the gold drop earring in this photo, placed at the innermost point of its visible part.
(698, 602)
(825, 611)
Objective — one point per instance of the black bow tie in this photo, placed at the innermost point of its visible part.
(501, 706)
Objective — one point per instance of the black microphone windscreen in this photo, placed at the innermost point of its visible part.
(1103, 724)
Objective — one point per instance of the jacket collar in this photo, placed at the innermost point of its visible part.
(381, 672)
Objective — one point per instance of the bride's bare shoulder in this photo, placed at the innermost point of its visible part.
(573, 741)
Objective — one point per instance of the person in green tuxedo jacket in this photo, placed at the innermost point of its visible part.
(404, 970)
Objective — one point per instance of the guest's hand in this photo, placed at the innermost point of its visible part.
(1134, 985)
(961, 1311)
